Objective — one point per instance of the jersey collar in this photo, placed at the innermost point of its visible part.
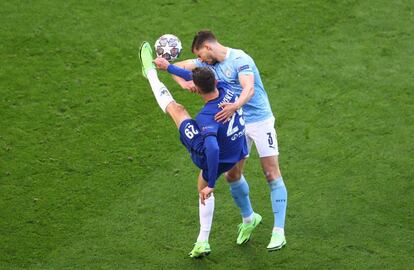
(217, 98)
(227, 53)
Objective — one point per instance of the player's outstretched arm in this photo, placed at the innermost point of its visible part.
(180, 72)
(188, 65)
(188, 85)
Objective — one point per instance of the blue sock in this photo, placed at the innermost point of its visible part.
(278, 196)
(240, 192)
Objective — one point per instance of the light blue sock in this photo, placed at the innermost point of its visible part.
(240, 192)
(278, 196)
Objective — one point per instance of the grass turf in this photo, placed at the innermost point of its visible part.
(92, 175)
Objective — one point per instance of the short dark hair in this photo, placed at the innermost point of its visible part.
(201, 37)
(203, 78)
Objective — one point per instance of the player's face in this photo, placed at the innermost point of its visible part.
(205, 54)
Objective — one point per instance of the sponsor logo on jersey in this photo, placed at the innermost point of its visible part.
(238, 135)
(204, 128)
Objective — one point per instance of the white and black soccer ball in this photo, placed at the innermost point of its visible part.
(168, 46)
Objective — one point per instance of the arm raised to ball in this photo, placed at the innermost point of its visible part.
(188, 65)
(181, 77)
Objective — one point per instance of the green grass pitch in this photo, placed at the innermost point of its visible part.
(92, 174)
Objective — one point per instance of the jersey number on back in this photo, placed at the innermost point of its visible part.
(235, 128)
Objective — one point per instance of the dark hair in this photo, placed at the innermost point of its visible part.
(204, 79)
(201, 37)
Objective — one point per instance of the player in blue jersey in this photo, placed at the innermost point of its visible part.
(239, 70)
(214, 147)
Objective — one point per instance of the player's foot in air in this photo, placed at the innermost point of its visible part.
(146, 57)
(277, 242)
(246, 229)
(200, 249)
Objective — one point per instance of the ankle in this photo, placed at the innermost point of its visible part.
(279, 230)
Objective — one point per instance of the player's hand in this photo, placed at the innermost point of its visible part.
(228, 109)
(189, 85)
(205, 193)
(161, 63)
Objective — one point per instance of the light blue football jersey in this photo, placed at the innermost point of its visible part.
(238, 62)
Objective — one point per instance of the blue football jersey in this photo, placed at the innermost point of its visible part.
(238, 62)
(230, 135)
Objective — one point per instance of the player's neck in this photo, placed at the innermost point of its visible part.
(221, 52)
(210, 96)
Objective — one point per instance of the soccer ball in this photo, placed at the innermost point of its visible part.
(168, 47)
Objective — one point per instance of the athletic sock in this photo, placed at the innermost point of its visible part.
(161, 93)
(279, 230)
(206, 218)
(240, 192)
(278, 196)
(152, 77)
(248, 219)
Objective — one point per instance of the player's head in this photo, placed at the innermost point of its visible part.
(204, 80)
(203, 46)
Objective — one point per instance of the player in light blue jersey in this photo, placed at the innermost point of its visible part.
(214, 147)
(239, 70)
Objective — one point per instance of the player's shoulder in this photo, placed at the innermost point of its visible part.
(238, 54)
(206, 113)
(223, 85)
(205, 117)
(241, 60)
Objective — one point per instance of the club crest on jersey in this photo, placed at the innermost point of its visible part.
(228, 73)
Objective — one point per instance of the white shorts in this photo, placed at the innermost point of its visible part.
(264, 136)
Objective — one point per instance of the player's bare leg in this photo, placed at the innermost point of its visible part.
(164, 98)
(278, 196)
(270, 166)
(240, 191)
(178, 113)
(206, 211)
(236, 172)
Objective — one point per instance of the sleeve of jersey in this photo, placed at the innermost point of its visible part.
(243, 65)
(212, 152)
(180, 72)
(208, 128)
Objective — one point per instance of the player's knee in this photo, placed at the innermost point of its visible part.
(272, 174)
(177, 112)
(232, 176)
(176, 108)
